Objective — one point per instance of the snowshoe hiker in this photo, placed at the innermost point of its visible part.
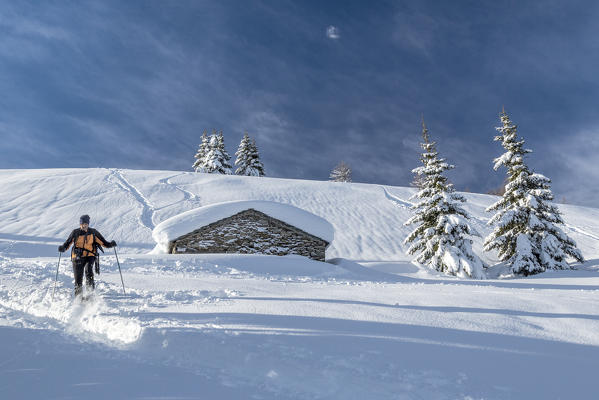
(86, 243)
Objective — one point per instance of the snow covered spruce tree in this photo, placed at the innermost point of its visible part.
(200, 156)
(441, 236)
(341, 173)
(525, 233)
(217, 159)
(248, 160)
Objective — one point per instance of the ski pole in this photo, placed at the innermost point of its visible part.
(119, 264)
(56, 279)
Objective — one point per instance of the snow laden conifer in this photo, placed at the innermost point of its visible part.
(248, 159)
(217, 159)
(200, 156)
(526, 235)
(257, 163)
(341, 173)
(441, 236)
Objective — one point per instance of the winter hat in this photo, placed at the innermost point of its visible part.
(84, 219)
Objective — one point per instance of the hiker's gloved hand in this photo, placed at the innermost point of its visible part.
(61, 248)
(113, 244)
(97, 269)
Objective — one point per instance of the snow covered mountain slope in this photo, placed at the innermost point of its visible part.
(368, 325)
(41, 207)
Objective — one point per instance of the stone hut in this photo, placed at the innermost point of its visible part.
(248, 227)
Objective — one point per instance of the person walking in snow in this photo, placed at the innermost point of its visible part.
(86, 243)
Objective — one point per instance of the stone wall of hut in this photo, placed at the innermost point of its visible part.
(250, 232)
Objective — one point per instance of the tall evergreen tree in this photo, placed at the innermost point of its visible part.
(217, 159)
(200, 156)
(526, 234)
(441, 236)
(242, 154)
(248, 160)
(341, 173)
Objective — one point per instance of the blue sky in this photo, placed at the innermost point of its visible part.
(133, 85)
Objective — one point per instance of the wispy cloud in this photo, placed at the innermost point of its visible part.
(415, 31)
(29, 22)
(34, 28)
(420, 31)
(25, 34)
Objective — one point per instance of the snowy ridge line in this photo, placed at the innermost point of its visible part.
(399, 202)
(147, 212)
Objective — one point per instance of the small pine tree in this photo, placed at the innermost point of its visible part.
(441, 237)
(217, 159)
(526, 235)
(248, 159)
(200, 156)
(341, 173)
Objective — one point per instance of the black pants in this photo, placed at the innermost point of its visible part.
(81, 266)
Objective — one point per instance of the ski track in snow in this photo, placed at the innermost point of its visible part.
(147, 212)
(187, 195)
(396, 200)
(581, 231)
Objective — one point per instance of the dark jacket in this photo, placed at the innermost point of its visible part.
(88, 242)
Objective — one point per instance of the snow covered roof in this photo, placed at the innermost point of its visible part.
(189, 221)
